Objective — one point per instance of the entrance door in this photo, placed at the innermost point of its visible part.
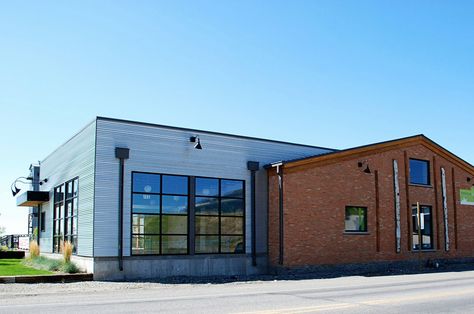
(422, 224)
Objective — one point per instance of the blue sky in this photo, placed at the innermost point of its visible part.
(328, 73)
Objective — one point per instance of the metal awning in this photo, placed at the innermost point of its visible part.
(32, 198)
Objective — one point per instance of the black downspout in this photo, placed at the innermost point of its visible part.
(121, 154)
(280, 206)
(253, 167)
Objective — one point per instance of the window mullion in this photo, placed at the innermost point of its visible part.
(191, 215)
(219, 239)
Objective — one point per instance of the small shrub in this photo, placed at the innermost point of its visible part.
(34, 249)
(69, 268)
(3, 248)
(67, 251)
(44, 263)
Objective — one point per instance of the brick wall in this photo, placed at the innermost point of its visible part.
(315, 197)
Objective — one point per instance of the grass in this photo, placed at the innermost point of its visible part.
(15, 267)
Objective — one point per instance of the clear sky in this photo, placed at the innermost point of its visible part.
(327, 73)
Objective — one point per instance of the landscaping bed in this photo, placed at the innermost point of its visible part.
(49, 264)
(35, 264)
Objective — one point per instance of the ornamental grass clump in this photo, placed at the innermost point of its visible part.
(34, 249)
(44, 263)
(67, 251)
(69, 268)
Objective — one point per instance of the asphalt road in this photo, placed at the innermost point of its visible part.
(424, 293)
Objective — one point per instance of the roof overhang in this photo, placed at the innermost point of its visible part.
(32, 198)
(366, 150)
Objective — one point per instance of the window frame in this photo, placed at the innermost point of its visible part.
(219, 215)
(191, 206)
(366, 210)
(160, 214)
(65, 217)
(428, 172)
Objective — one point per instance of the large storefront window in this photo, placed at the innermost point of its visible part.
(160, 214)
(219, 216)
(65, 215)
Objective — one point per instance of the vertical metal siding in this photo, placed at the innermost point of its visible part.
(75, 158)
(166, 150)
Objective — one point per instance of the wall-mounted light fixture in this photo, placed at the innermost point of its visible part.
(15, 189)
(360, 164)
(195, 139)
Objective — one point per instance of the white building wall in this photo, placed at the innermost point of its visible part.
(75, 158)
(167, 150)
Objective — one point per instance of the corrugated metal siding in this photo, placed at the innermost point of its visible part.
(75, 158)
(165, 150)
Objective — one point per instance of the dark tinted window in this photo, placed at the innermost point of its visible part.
(232, 207)
(207, 187)
(160, 214)
(419, 172)
(207, 206)
(219, 216)
(43, 222)
(146, 183)
(426, 232)
(175, 185)
(175, 204)
(232, 188)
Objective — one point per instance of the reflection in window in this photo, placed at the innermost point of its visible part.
(207, 187)
(175, 185)
(159, 214)
(175, 204)
(419, 172)
(356, 219)
(219, 216)
(65, 215)
(146, 183)
(207, 205)
(422, 222)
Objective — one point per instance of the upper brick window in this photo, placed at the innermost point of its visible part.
(419, 172)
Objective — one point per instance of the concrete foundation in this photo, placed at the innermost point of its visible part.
(154, 267)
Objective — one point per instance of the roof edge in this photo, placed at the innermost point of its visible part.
(209, 132)
(69, 139)
(387, 145)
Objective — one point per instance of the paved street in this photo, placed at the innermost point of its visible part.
(425, 293)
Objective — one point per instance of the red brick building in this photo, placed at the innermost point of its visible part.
(360, 205)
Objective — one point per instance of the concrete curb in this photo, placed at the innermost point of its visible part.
(60, 278)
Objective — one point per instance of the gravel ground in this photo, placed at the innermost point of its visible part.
(192, 282)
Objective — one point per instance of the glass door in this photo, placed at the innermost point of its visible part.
(422, 237)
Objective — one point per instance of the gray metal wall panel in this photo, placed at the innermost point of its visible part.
(75, 158)
(46, 240)
(164, 150)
